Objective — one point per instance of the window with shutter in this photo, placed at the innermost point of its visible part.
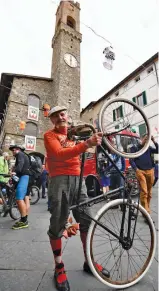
(141, 99)
(144, 98)
(119, 112)
(142, 129)
(114, 115)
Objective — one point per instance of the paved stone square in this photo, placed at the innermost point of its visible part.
(26, 261)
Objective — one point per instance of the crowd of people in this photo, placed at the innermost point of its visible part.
(110, 177)
(63, 168)
(22, 170)
(145, 168)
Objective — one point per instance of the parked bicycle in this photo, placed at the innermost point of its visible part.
(33, 191)
(7, 196)
(118, 238)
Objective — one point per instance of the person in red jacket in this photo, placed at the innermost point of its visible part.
(63, 163)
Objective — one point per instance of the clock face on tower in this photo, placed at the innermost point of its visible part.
(70, 60)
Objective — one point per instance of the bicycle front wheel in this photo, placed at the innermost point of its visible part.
(126, 266)
(119, 120)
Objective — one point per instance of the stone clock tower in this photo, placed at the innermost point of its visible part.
(66, 58)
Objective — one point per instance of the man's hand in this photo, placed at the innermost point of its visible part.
(152, 138)
(13, 174)
(95, 139)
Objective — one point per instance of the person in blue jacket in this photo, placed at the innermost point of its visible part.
(156, 172)
(44, 178)
(115, 177)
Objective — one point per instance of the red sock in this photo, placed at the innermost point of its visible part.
(56, 245)
(83, 236)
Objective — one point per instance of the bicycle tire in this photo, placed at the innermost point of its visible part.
(107, 142)
(12, 207)
(38, 194)
(90, 256)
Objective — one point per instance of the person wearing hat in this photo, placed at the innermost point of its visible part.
(64, 171)
(21, 169)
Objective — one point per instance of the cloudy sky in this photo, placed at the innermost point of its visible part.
(27, 27)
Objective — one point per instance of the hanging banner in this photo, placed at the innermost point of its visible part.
(30, 143)
(33, 113)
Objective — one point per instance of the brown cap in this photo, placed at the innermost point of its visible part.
(56, 109)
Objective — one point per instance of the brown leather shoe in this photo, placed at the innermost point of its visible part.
(64, 286)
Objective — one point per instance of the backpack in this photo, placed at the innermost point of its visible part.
(35, 165)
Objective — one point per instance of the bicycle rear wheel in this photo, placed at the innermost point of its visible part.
(118, 120)
(126, 266)
(34, 195)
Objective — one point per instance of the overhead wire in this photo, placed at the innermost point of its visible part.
(108, 41)
(97, 35)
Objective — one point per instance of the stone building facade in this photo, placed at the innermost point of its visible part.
(20, 93)
(141, 87)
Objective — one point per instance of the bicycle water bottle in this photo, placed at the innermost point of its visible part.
(15, 178)
(4, 191)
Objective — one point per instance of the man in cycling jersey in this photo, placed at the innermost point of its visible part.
(64, 172)
(21, 169)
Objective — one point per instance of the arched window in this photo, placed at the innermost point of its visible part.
(71, 22)
(31, 129)
(33, 100)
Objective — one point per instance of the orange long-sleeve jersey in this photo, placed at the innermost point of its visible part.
(62, 154)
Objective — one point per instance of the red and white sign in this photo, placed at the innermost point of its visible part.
(30, 143)
(33, 113)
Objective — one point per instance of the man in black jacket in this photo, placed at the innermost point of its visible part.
(21, 169)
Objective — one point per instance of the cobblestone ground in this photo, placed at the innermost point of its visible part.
(26, 262)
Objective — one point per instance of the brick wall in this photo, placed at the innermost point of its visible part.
(18, 110)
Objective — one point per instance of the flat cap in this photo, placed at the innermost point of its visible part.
(56, 109)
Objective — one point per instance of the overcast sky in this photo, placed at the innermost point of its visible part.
(27, 27)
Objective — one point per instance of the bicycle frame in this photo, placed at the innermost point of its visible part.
(81, 206)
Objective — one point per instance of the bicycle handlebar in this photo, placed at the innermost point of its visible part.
(80, 131)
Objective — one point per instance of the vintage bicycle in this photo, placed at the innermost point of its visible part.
(122, 239)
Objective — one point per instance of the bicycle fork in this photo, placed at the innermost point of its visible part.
(128, 238)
